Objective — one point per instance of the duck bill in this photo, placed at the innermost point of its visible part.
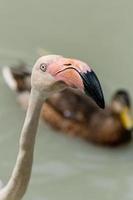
(126, 119)
(92, 87)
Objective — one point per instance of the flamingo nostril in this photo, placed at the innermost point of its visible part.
(67, 64)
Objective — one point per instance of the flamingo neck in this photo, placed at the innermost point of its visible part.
(17, 184)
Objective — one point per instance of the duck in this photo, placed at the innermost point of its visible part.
(73, 113)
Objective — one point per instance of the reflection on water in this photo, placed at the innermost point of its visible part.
(98, 32)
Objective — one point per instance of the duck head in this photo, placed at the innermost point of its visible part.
(121, 105)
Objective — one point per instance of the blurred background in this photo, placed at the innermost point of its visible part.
(99, 32)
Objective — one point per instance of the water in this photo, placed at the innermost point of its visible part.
(98, 32)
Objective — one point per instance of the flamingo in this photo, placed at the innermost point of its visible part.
(50, 74)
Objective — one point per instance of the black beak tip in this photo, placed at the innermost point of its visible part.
(93, 88)
(101, 103)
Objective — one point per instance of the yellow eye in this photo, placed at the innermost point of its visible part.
(43, 67)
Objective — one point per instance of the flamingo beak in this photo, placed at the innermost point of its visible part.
(92, 87)
(85, 81)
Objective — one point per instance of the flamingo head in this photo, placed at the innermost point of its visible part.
(54, 73)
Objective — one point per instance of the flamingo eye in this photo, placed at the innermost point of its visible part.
(43, 67)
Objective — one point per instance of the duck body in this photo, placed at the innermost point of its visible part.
(71, 112)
